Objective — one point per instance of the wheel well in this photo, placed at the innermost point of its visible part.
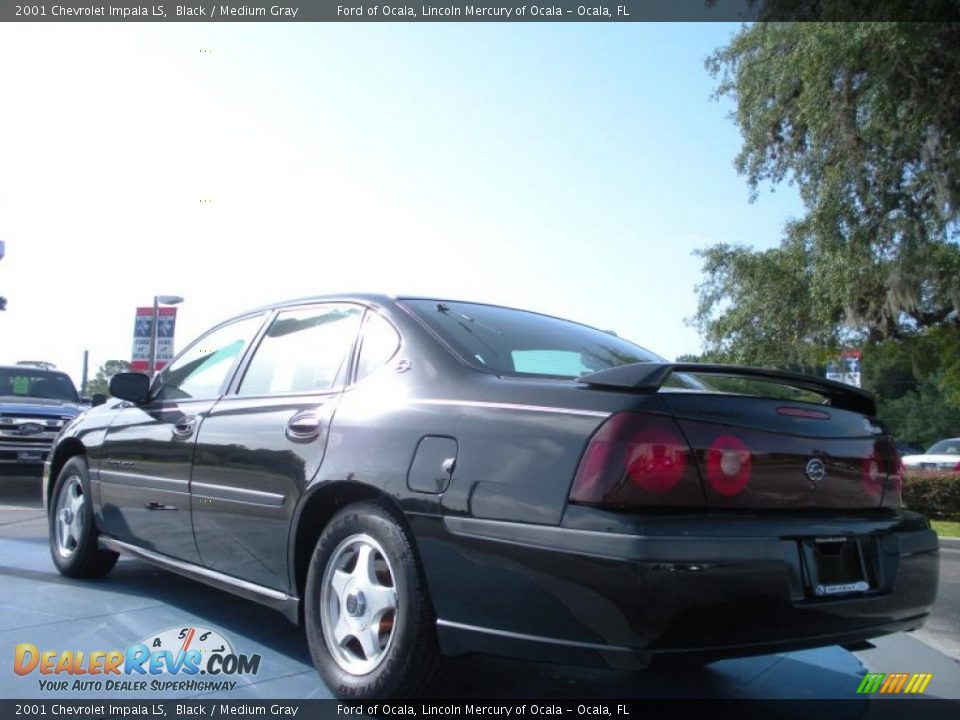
(319, 510)
(68, 448)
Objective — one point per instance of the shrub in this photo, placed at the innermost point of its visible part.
(934, 494)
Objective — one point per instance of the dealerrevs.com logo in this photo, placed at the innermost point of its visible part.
(182, 652)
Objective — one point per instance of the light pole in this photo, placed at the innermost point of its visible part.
(158, 300)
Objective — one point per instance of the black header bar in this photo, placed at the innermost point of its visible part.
(482, 709)
(481, 11)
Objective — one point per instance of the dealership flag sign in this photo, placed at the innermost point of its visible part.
(142, 327)
(846, 369)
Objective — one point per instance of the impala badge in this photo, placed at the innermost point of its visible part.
(815, 471)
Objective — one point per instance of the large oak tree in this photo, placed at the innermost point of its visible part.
(865, 119)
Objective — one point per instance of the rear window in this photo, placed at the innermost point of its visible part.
(521, 343)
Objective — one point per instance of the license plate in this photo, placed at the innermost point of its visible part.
(29, 456)
(842, 588)
(835, 566)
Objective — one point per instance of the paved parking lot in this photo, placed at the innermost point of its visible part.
(137, 601)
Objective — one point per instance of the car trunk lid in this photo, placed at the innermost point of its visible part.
(753, 451)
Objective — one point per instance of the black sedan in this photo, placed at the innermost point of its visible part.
(412, 478)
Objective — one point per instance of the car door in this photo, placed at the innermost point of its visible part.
(265, 439)
(147, 453)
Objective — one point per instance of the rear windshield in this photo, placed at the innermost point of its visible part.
(26, 383)
(520, 343)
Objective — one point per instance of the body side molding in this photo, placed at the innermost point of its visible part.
(276, 599)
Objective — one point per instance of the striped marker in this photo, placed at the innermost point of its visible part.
(894, 683)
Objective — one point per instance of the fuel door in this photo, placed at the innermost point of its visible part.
(433, 464)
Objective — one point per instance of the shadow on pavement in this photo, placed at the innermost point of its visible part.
(488, 677)
(829, 672)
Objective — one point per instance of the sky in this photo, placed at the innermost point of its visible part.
(570, 169)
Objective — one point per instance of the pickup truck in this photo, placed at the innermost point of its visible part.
(34, 405)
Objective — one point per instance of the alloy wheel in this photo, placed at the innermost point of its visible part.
(358, 604)
(70, 516)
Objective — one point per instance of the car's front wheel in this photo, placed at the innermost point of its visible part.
(368, 617)
(73, 534)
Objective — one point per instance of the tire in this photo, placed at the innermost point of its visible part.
(73, 534)
(369, 622)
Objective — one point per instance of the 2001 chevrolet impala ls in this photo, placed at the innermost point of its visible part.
(412, 478)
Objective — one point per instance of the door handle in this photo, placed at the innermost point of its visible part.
(304, 426)
(183, 428)
(158, 506)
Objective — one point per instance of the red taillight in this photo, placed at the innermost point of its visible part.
(893, 496)
(728, 465)
(873, 475)
(636, 460)
(882, 474)
(656, 459)
(957, 467)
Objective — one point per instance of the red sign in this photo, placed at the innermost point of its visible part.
(142, 328)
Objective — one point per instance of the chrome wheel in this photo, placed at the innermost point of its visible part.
(358, 604)
(70, 516)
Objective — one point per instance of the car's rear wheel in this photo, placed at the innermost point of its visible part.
(368, 617)
(73, 534)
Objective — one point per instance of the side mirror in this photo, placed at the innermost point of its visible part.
(98, 399)
(134, 387)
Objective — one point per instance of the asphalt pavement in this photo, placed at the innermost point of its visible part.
(137, 602)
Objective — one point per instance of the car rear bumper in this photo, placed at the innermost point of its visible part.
(612, 590)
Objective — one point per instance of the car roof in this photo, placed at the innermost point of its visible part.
(385, 299)
(32, 368)
(376, 298)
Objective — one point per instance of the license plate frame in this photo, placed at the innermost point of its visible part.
(837, 567)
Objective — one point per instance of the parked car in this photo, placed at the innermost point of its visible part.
(35, 404)
(412, 478)
(942, 456)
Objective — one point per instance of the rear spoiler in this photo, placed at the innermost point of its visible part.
(648, 377)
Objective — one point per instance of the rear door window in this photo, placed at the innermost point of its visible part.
(378, 345)
(305, 350)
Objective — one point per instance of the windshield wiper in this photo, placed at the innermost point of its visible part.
(444, 308)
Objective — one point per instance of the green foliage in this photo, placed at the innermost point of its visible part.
(936, 495)
(863, 118)
(916, 382)
(920, 417)
(101, 383)
(770, 313)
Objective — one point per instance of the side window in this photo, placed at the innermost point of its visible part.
(201, 371)
(303, 351)
(380, 343)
